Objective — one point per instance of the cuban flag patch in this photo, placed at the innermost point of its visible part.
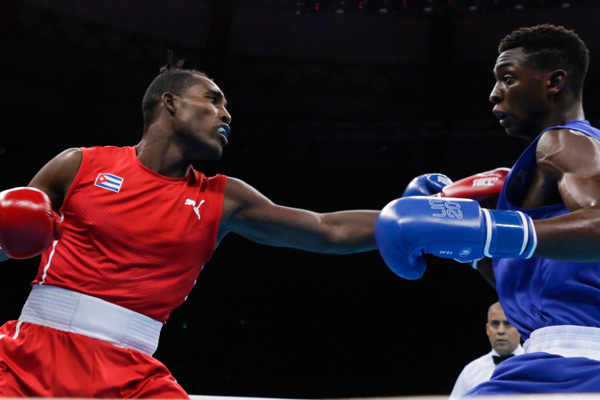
(109, 182)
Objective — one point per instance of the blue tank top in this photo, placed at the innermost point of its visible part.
(538, 292)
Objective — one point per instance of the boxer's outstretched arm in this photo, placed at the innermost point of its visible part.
(250, 214)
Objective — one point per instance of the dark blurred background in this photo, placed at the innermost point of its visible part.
(336, 105)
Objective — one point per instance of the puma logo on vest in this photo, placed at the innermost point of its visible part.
(190, 202)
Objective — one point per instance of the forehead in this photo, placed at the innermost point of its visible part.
(204, 85)
(497, 314)
(511, 58)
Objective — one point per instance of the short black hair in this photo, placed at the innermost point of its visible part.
(550, 47)
(173, 79)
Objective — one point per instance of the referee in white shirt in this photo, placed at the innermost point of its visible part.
(505, 341)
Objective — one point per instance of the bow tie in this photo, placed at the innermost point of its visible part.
(499, 359)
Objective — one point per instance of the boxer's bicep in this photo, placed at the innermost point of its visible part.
(55, 178)
(249, 213)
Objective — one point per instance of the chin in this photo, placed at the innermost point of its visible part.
(512, 131)
(518, 133)
(205, 154)
(214, 155)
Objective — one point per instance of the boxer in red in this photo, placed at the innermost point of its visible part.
(138, 224)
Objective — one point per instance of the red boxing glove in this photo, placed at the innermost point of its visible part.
(484, 187)
(27, 223)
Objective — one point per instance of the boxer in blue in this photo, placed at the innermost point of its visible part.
(544, 236)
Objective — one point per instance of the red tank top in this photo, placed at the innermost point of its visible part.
(131, 236)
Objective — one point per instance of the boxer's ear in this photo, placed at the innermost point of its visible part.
(556, 82)
(169, 101)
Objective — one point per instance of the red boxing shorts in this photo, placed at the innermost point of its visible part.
(37, 361)
(68, 344)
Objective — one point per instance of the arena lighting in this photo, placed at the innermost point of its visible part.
(384, 7)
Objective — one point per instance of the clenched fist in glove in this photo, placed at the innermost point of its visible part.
(484, 187)
(410, 227)
(28, 225)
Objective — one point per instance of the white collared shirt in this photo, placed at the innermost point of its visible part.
(476, 372)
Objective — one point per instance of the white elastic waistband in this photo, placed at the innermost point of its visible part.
(75, 312)
(566, 341)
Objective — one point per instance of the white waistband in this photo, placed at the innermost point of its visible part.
(566, 341)
(75, 312)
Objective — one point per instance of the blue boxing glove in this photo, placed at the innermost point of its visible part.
(460, 229)
(426, 185)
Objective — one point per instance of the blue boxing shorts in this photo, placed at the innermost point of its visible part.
(542, 373)
(558, 359)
